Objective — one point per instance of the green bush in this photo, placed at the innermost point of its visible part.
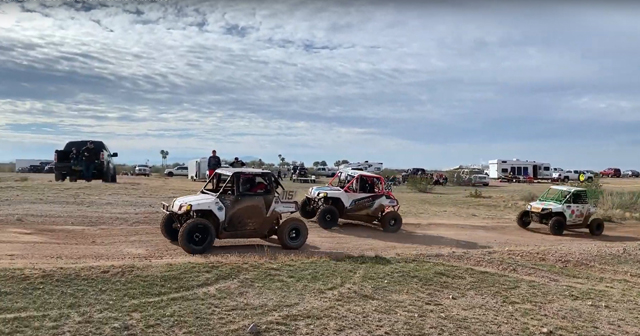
(457, 179)
(594, 189)
(421, 184)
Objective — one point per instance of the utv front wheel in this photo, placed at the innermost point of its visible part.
(197, 236)
(167, 229)
(524, 219)
(557, 225)
(328, 217)
(596, 226)
(292, 233)
(306, 210)
(391, 222)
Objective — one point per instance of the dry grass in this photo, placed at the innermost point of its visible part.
(586, 289)
(321, 296)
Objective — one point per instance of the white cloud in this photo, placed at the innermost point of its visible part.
(315, 78)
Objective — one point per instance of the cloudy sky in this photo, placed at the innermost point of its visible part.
(409, 84)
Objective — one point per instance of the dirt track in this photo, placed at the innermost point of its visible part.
(51, 224)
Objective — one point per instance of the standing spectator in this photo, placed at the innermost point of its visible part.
(89, 157)
(214, 163)
(279, 174)
(237, 163)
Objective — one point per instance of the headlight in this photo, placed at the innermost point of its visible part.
(184, 208)
(528, 206)
(322, 194)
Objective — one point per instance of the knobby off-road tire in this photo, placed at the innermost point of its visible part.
(167, 229)
(391, 222)
(58, 177)
(596, 226)
(170, 174)
(523, 219)
(197, 236)
(328, 217)
(306, 211)
(292, 233)
(557, 225)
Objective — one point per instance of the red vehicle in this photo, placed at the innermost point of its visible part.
(611, 172)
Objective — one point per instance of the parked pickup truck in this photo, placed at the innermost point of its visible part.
(105, 168)
(572, 175)
(611, 172)
(325, 171)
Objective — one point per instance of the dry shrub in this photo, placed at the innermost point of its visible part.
(619, 205)
(421, 184)
(529, 196)
(476, 194)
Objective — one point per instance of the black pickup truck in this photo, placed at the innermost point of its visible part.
(105, 168)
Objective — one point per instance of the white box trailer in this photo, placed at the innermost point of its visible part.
(21, 163)
(197, 169)
(537, 170)
(371, 167)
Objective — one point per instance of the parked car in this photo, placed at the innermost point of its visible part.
(631, 173)
(50, 168)
(177, 171)
(611, 172)
(142, 169)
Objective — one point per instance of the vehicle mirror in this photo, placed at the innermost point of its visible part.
(114, 155)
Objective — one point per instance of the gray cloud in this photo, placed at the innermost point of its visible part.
(368, 81)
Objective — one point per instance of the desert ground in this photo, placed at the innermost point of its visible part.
(88, 258)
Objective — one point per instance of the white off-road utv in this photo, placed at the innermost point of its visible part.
(562, 208)
(234, 203)
(353, 195)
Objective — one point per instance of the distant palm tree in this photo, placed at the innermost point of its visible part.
(165, 155)
(282, 160)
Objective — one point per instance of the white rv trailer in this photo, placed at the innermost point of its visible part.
(371, 167)
(21, 163)
(537, 170)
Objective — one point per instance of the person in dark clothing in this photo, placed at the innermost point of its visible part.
(237, 163)
(214, 163)
(89, 157)
(279, 174)
(75, 158)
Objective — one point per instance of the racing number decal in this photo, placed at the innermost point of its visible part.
(288, 195)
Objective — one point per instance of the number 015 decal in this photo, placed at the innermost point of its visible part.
(288, 195)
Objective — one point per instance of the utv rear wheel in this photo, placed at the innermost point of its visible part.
(557, 225)
(292, 233)
(596, 226)
(391, 222)
(197, 236)
(167, 229)
(328, 217)
(524, 219)
(306, 210)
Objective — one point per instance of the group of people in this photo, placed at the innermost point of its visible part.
(85, 160)
(214, 163)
